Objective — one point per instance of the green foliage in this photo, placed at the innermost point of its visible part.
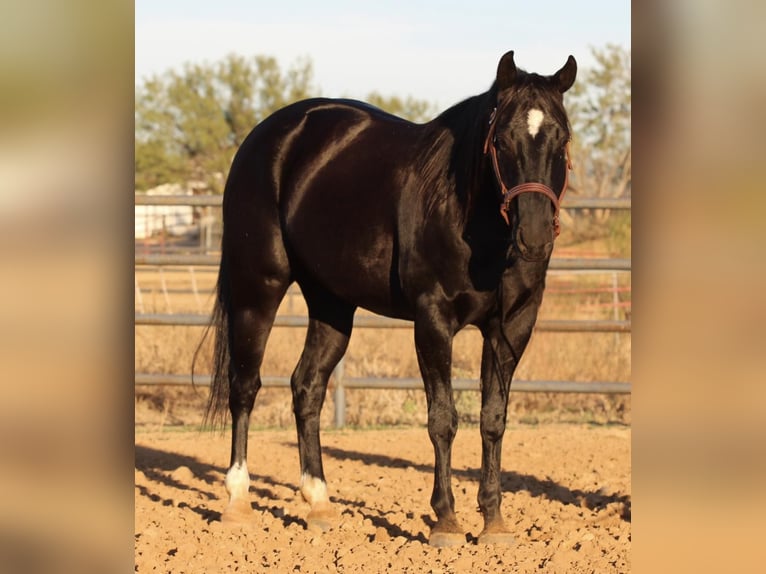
(156, 165)
(409, 108)
(599, 106)
(190, 123)
(410, 407)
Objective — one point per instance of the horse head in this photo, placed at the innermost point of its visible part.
(527, 141)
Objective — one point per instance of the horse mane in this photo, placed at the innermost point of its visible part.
(451, 158)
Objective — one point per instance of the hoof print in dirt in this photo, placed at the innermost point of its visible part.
(320, 524)
(237, 513)
(496, 538)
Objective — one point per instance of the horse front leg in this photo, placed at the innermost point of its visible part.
(496, 371)
(500, 356)
(433, 342)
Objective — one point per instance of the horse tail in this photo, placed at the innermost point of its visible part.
(218, 399)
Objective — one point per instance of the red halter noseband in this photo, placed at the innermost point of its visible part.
(531, 187)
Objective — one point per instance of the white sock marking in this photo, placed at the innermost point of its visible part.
(237, 481)
(313, 489)
(534, 119)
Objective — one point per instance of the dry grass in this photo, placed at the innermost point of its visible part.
(390, 353)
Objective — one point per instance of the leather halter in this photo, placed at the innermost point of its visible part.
(530, 187)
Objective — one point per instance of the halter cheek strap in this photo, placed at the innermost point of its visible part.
(530, 187)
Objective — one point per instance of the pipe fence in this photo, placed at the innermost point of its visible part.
(341, 383)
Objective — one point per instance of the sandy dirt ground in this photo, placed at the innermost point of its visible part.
(567, 499)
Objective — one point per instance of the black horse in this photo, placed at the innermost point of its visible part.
(448, 223)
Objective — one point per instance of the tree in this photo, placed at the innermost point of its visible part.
(409, 108)
(189, 124)
(600, 112)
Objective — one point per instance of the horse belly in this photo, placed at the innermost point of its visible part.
(358, 267)
(350, 250)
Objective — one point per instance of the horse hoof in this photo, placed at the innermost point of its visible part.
(497, 538)
(321, 520)
(238, 512)
(444, 539)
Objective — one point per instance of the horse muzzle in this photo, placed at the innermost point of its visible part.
(530, 247)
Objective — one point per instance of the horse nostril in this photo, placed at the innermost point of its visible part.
(521, 240)
(534, 249)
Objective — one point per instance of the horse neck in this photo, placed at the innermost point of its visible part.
(455, 155)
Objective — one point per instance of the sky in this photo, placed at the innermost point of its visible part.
(441, 51)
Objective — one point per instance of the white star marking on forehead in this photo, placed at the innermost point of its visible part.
(534, 119)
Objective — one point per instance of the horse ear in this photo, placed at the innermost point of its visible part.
(565, 77)
(506, 71)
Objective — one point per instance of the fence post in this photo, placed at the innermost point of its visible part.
(340, 395)
(139, 297)
(194, 288)
(165, 290)
(616, 305)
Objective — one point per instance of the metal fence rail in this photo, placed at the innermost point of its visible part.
(377, 322)
(556, 264)
(386, 383)
(367, 321)
(571, 202)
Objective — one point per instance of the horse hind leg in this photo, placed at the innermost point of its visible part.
(249, 330)
(327, 338)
